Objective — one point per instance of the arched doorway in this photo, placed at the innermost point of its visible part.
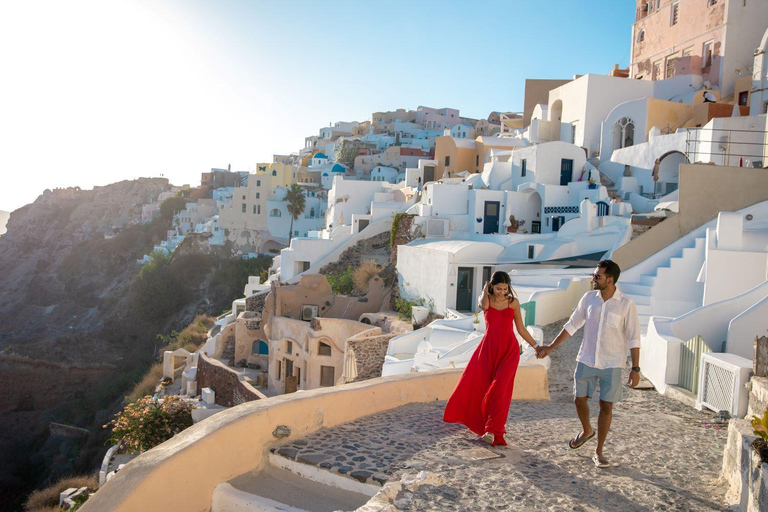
(602, 208)
(531, 215)
(666, 172)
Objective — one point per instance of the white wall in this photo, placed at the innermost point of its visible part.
(447, 199)
(423, 273)
(348, 197)
(637, 111)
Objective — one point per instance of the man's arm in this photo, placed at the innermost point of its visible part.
(543, 351)
(633, 335)
(577, 320)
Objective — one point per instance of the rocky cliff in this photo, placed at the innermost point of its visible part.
(63, 290)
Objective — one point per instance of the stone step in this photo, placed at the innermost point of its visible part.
(279, 489)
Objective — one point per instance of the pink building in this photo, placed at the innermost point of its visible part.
(437, 118)
(711, 38)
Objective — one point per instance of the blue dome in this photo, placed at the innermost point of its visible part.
(338, 168)
(319, 154)
(325, 174)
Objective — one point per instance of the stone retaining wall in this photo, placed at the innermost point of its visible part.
(229, 385)
(743, 470)
(369, 355)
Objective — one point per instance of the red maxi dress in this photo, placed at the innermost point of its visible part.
(482, 397)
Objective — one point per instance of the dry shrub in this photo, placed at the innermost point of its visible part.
(190, 339)
(47, 499)
(194, 335)
(147, 385)
(364, 273)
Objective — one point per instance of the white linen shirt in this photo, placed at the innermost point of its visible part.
(611, 328)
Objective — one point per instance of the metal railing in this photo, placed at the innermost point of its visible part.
(726, 146)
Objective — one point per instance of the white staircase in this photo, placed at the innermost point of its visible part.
(672, 289)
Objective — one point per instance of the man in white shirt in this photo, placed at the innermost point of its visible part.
(611, 329)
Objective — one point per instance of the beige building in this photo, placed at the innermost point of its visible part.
(301, 332)
(712, 38)
(247, 210)
(537, 93)
(381, 118)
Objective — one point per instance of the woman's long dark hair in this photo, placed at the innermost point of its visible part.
(500, 277)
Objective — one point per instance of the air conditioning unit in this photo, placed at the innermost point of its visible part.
(437, 228)
(722, 383)
(308, 312)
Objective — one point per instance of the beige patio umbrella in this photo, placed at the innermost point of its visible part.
(349, 372)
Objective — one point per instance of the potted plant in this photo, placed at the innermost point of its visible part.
(760, 427)
(592, 183)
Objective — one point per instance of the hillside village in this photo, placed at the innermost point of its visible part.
(384, 231)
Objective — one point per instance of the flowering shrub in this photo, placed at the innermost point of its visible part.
(148, 422)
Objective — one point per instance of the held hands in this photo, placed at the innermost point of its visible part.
(543, 351)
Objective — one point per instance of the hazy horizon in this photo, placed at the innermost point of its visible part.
(210, 84)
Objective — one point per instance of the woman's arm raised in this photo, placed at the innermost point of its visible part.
(484, 301)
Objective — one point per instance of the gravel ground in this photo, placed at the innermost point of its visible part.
(665, 455)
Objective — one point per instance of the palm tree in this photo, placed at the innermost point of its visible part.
(294, 196)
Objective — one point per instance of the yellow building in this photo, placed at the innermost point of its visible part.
(454, 156)
(282, 175)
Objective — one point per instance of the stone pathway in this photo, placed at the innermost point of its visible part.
(666, 455)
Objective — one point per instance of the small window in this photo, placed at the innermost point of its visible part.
(477, 160)
(447, 161)
(274, 173)
(288, 347)
(279, 369)
(258, 209)
(258, 183)
(641, 36)
(324, 349)
(523, 167)
(243, 198)
(743, 98)
(244, 207)
(530, 252)
(254, 209)
(674, 14)
(671, 66)
(327, 376)
(258, 195)
(706, 54)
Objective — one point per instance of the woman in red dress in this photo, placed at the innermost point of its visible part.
(482, 397)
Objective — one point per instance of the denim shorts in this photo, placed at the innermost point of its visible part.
(586, 378)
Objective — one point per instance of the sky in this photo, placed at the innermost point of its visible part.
(95, 92)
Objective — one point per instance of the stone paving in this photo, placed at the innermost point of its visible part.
(665, 455)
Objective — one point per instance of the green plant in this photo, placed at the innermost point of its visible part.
(395, 226)
(342, 283)
(147, 422)
(404, 307)
(760, 425)
(294, 196)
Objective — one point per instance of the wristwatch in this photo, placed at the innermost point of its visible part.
(636, 369)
